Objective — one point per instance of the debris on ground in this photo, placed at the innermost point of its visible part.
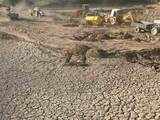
(94, 36)
(91, 36)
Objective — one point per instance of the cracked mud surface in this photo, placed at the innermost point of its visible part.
(35, 86)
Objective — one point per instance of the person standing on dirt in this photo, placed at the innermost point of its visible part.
(85, 10)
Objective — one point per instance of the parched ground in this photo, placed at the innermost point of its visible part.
(34, 84)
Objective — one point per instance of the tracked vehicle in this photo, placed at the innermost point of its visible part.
(144, 26)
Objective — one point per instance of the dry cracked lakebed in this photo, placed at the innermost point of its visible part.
(35, 86)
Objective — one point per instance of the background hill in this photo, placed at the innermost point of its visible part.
(71, 2)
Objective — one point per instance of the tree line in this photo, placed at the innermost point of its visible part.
(14, 2)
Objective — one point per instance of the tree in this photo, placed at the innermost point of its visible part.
(11, 2)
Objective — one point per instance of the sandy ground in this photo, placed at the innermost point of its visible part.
(34, 85)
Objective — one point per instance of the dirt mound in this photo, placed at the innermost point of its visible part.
(7, 36)
(150, 58)
(93, 36)
(145, 57)
(152, 12)
(96, 53)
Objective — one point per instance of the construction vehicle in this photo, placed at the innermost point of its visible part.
(143, 26)
(88, 19)
(78, 17)
(36, 12)
(119, 16)
(13, 16)
(94, 19)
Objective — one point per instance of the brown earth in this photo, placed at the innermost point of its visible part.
(122, 84)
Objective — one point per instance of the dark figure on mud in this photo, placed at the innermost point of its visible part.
(77, 50)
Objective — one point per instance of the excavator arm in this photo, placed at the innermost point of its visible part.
(128, 17)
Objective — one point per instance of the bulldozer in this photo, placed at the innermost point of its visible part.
(86, 17)
(94, 19)
(90, 18)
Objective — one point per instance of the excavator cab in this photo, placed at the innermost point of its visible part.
(114, 12)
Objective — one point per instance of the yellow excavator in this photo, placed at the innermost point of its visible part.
(114, 16)
(119, 16)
